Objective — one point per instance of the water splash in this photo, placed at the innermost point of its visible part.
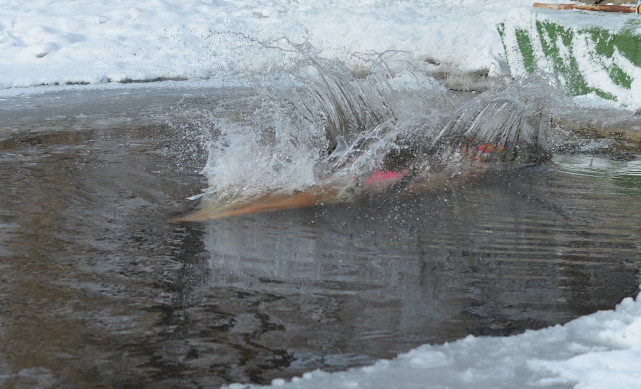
(319, 124)
(512, 125)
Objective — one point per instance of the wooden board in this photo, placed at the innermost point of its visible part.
(587, 7)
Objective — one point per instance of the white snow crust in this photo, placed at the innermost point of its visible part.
(598, 351)
(44, 42)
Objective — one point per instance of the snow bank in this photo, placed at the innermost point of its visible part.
(98, 41)
(602, 350)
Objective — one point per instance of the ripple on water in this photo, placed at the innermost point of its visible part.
(97, 287)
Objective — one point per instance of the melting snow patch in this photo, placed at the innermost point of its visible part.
(596, 351)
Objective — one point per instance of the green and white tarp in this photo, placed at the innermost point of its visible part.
(587, 52)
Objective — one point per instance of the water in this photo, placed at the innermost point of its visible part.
(97, 288)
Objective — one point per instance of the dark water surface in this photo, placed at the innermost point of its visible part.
(97, 289)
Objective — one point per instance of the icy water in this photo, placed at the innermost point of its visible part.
(98, 289)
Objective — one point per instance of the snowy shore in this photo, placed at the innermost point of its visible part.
(598, 351)
(46, 42)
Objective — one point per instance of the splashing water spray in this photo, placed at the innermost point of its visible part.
(318, 133)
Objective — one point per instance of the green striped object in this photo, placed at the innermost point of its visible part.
(586, 52)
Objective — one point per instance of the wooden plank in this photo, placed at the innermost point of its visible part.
(587, 7)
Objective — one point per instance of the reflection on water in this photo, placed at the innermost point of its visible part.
(96, 288)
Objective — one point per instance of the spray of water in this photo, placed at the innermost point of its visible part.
(315, 123)
(512, 125)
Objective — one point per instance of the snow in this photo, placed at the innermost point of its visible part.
(597, 351)
(44, 42)
(99, 42)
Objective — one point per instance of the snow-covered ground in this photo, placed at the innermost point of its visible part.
(99, 42)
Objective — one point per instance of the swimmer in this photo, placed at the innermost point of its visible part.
(400, 171)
